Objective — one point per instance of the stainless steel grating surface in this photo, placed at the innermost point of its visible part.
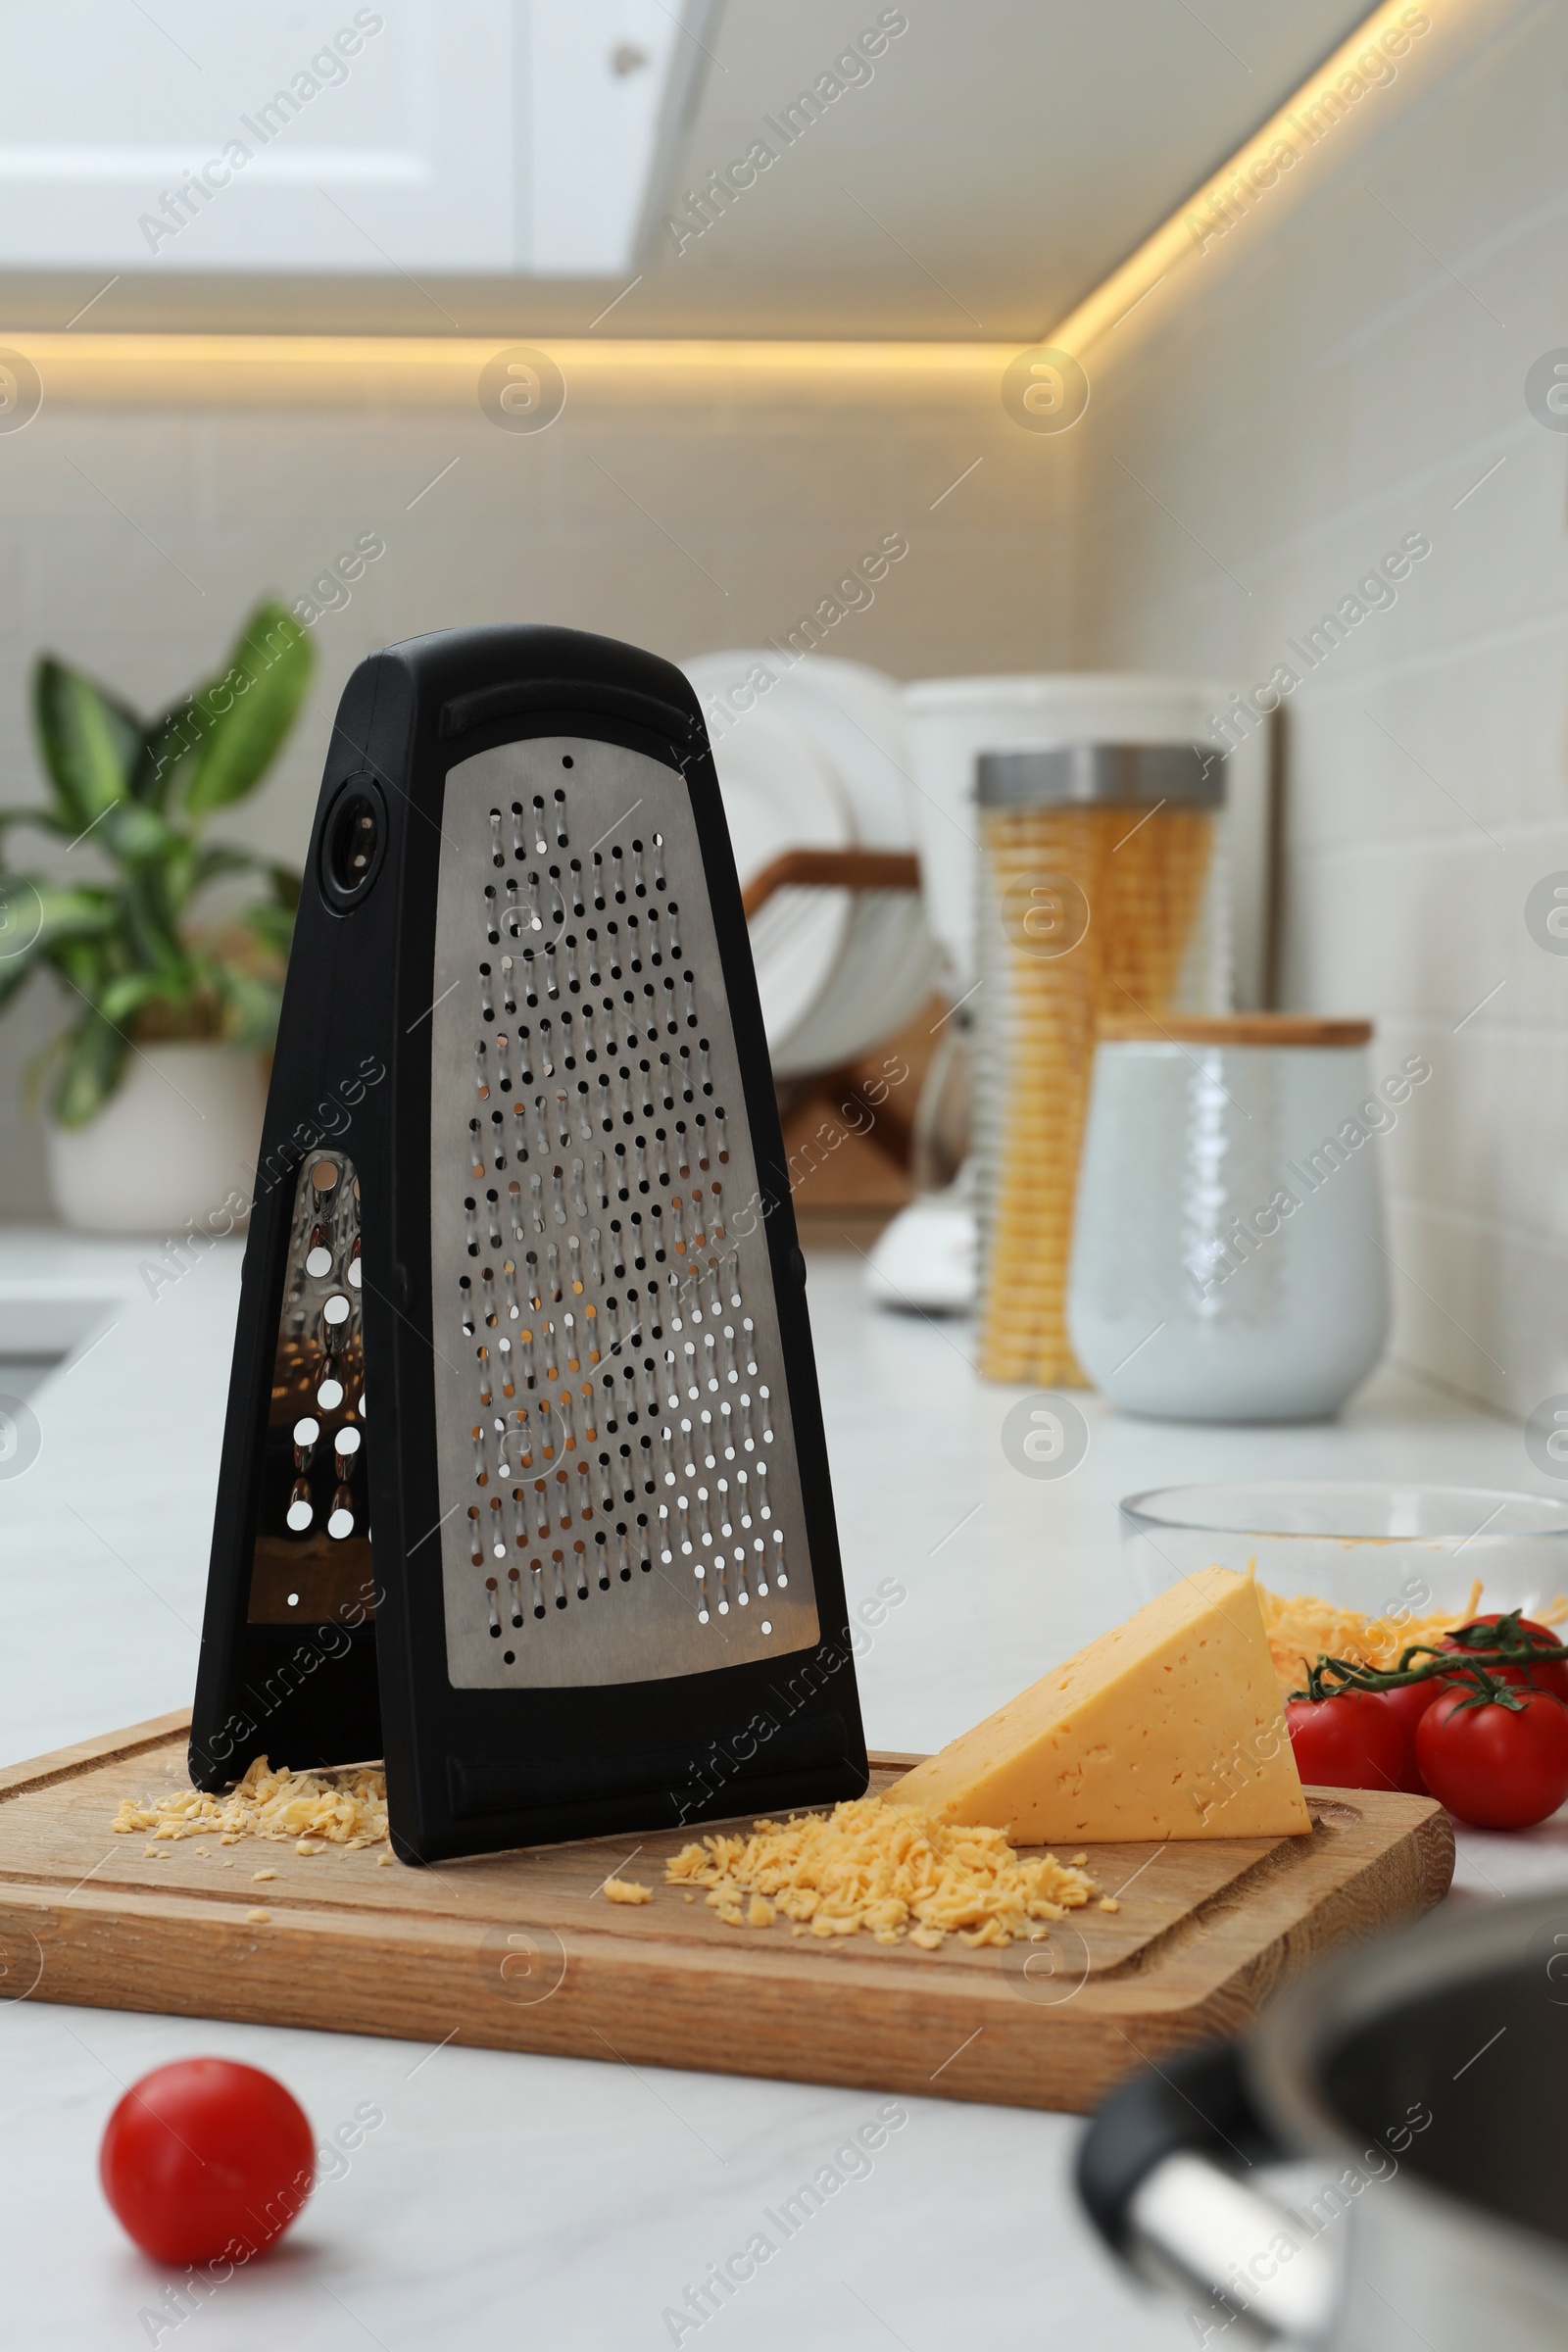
(616, 1466)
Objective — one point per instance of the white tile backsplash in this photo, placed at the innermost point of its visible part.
(1342, 378)
(1482, 1307)
(683, 520)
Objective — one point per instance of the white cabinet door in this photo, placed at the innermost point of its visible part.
(449, 136)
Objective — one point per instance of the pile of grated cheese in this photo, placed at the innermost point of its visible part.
(317, 1809)
(1303, 1629)
(893, 1870)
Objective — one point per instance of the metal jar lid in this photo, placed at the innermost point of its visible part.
(1103, 775)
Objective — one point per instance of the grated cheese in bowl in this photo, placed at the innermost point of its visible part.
(890, 1869)
(1302, 1628)
(317, 1809)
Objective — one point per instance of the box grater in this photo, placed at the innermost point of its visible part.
(523, 1482)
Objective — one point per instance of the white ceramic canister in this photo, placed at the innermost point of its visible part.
(1228, 1260)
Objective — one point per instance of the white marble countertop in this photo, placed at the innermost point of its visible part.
(534, 2200)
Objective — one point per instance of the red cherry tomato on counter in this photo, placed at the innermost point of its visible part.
(1407, 1706)
(1495, 1767)
(1353, 1740)
(1551, 1676)
(205, 2159)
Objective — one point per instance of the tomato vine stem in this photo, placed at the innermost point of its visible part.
(1477, 1648)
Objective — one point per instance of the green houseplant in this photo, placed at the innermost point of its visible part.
(130, 802)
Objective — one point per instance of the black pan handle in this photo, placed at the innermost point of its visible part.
(1163, 2175)
(1196, 2105)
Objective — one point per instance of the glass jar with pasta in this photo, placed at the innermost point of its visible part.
(1102, 890)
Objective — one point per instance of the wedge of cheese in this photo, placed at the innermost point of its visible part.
(1169, 1726)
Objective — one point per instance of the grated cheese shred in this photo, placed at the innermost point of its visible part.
(895, 1872)
(317, 1809)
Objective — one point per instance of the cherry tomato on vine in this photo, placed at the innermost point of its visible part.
(1353, 1740)
(1495, 1767)
(1409, 1706)
(1551, 1675)
(207, 2158)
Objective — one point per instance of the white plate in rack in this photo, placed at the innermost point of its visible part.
(781, 794)
(856, 716)
(852, 719)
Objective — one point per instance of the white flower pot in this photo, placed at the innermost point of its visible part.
(175, 1143)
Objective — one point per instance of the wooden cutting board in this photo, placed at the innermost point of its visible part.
(522, 1952)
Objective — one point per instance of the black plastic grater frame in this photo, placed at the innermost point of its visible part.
(376, 1649)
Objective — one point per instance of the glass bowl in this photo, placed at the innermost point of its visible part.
(1373, 1547)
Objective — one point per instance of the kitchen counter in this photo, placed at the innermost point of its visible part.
(516, 2199)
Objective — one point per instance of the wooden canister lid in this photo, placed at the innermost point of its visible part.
(1233, 1029)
